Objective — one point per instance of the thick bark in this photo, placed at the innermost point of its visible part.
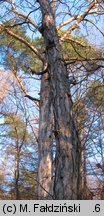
(45, 141)
(67, 155)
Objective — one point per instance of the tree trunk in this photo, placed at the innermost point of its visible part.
(16, 173)
(102, 119)
(45, 141)
(66, 136)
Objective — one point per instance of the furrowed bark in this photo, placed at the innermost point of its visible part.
(45, 190)
(66, 136)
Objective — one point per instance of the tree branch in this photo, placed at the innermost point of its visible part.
(35, 100)
(22, 40)
(79, 19)
(26, 17)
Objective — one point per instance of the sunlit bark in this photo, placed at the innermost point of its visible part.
(67, 155)
(45, 141)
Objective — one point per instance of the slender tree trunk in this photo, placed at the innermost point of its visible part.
(16, 173)
(102, 119)
(66, 136)
(45, 141)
